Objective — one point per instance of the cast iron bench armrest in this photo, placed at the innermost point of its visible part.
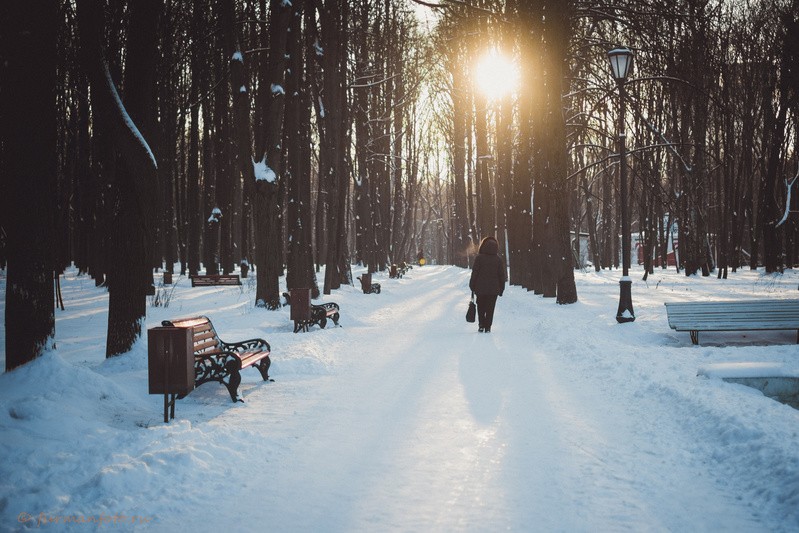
(331, 309)
(251, 344)
(320, 313)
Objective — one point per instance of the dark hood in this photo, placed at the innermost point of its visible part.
(489, 246)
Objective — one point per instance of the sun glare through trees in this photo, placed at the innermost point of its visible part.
(496, 75)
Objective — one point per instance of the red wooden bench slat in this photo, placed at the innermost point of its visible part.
(203, 346)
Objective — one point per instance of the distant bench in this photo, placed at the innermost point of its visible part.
(215, 279)
(216, 360)
(367, 286)
(397, 271)
(317, 314)
(750, 315)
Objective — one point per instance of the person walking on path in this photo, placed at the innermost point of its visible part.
(487, 281)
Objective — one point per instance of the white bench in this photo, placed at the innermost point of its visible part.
(775, 380)
(749, 315)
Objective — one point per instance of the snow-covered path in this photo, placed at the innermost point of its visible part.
(408, 419)
(442, 428)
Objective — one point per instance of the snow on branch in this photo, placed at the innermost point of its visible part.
(789, 186)
(429, 4)
(263, 172)
(124, 113)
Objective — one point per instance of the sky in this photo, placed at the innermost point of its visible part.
(405, 418)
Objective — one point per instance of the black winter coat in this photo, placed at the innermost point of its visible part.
(488, 271)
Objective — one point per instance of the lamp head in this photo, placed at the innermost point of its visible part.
(621, 62)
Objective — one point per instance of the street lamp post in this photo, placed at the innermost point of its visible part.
(621, 60)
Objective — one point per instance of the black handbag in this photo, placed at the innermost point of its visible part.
(472, 311)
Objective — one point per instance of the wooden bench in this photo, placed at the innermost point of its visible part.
(216, 360)
(216, 279)
(749, 315)
(397, 271)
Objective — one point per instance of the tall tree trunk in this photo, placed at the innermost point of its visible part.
(486, 210)
(558, 248)
(789, 64)
(193, 196)
(333, 122)
(211, 149)
(168, 133)
(364, 78)
(129, 273)
(268, 246)
(28, 142)
(299, 272)
(459, 233)
(535, 24)
(520, 232)
(241, 134)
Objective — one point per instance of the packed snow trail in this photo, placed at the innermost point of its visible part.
(433, 426)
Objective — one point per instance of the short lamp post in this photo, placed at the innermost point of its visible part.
(621, 61)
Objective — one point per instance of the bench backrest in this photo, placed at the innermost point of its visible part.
(203, 332)
(215, 279)
(735, 304)
(752, 308)
(733, 315)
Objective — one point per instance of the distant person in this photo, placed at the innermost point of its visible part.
(487, 281)
(420, 258)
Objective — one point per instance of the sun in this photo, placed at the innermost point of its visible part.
(496, 75)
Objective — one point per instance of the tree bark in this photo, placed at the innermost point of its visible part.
(299, 271)
(334, 139)
(268, 207)
(28, 72)
(129, 273)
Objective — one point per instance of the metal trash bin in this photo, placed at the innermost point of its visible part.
(170, 364)
(300, 308)
(366, 283)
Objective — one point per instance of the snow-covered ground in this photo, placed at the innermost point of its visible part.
(408, 419)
